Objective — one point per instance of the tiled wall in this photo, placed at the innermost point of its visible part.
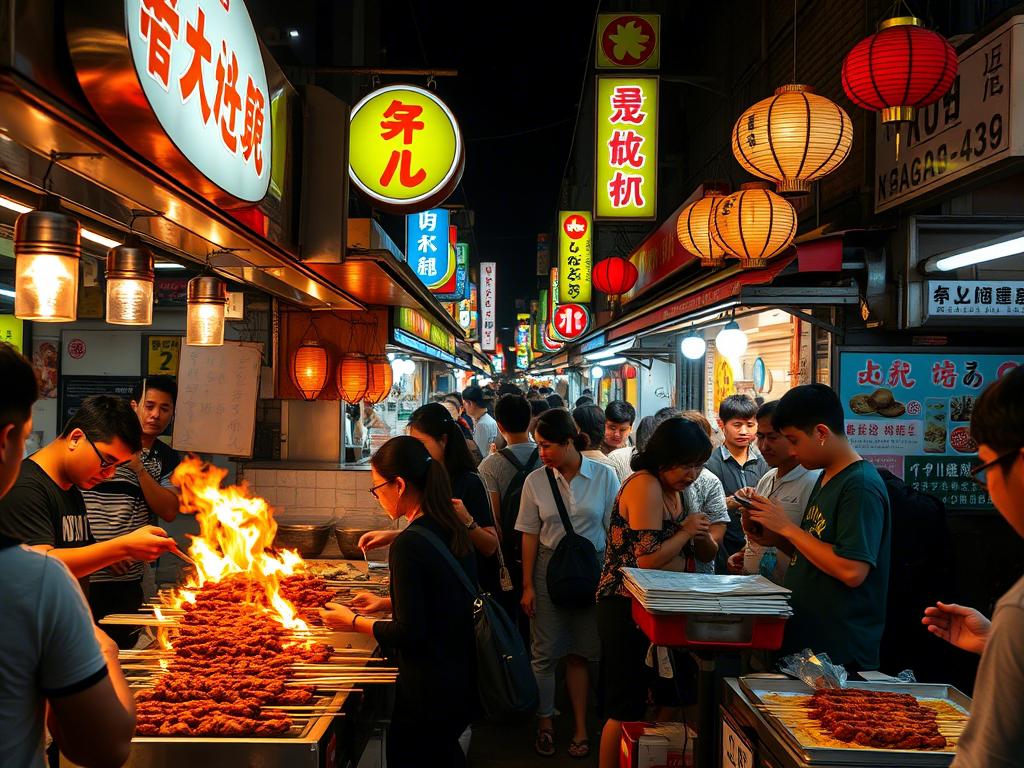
(343, 494)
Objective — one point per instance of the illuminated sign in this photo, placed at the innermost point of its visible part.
(626, 151)
(522, 341)
(571, 321)
(626, 40)
(406, 150)
(575, 256)
(427, 248)
(548, 342)
(183, 83)
(488, 302)
(414, 323)
(457, 286)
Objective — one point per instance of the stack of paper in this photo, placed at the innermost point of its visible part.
(671, 592)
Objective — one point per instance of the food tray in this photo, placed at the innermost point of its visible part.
(756, 688)
(710, 631)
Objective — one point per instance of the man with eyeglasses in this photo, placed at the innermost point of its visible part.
(788, 482)
(45, 508)
(994, 736)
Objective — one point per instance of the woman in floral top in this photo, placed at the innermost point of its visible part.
(651, 527)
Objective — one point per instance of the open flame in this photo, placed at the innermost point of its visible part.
(236, 536)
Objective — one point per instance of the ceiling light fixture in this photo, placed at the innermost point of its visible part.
(207, 304)
(130, 283)
(990, 250)
(48, 247)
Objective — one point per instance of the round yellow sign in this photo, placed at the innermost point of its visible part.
(405, 149)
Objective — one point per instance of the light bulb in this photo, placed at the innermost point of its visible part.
(129, 301)
(693, 347)
(731, 341)
(47, 287)
(596, 372)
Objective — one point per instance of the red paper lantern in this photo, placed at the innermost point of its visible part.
(615, 276)
(353, 377)
(380, 381)
(310, 368)
(900, 69)
(628, 371)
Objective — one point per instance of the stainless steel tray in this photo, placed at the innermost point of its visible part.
(755, 686)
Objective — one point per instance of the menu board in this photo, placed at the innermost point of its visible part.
(910, 412)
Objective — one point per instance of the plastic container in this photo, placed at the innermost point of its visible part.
(712, 631)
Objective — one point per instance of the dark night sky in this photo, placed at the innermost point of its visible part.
(521, 66)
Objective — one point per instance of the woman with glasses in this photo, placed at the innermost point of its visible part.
(993, 736)
(587, 490)
(654, 527)
(430, 635)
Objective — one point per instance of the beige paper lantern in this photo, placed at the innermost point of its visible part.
(755, 224)
(793, 138)
(695, 230)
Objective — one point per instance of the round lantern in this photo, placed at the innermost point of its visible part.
(310, 368)
(731, 341)
(353, 377)
(693, 346)
(615, 276)
(899, 69)
(755, 224)
(792, 138)
(695, 230)
(596, 372)
(628, 371)
(380, 379)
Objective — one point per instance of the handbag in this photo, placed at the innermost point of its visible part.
(504, 678)
(573, 570)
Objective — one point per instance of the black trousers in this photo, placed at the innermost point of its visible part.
(435, 744)
(107, 597)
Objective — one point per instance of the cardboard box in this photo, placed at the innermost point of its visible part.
(657, 745)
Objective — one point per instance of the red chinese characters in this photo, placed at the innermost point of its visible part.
(571, 321)
(400, 120)
(872, 374)
(624, 147)
(192, 80)
(227, 103)
(944, 374)
(252, 127)
(158, 25)
(899, 374)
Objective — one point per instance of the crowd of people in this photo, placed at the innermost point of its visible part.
(504, 489)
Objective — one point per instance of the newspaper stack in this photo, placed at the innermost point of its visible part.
(671, 592)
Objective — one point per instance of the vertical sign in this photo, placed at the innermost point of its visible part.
(426, 244)
(522, 341)
(626, 150)
(575, 256)
(543, 254)
(488, 298)
(628, 41)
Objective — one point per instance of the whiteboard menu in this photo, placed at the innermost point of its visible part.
(217, 391)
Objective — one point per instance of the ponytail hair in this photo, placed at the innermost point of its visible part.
(406, 457)
(434, 420)
(591, 420)
(556, 426)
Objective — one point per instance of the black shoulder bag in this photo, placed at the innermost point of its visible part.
(504, 677)
(574, 570)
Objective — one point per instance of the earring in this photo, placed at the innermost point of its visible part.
(823, 442)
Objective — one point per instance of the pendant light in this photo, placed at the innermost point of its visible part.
(353, 377)
(693, 346)
(596, 372)
(695, 230)
(381, 379)
(615, 276)
(207, 303)
(48, 247)
(731, 340)
(130, 283)
(755, 224)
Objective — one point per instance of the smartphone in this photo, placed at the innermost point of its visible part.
(743, 501)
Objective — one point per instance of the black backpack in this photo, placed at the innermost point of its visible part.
(573, 570)
(511, 539)
(504, 677)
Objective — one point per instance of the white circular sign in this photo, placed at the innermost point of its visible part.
(201, 69)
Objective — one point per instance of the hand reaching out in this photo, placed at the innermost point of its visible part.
(963, 627)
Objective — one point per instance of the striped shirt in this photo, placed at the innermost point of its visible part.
(117, 506)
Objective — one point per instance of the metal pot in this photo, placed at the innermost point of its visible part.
(307, 537)
(348, 542)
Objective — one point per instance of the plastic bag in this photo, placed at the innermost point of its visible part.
(815, 669)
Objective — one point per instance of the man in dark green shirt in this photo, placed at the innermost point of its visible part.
(839, 571)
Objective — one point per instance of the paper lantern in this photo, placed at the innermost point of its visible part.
(353, 377)
(310, 367)
(792, 138)
(130, 283)
(48, 247)
(596, 372)
(731, 341)
(693, 346)
(755, 224)
(379, 386)
(628, 371)
(615, 276)
(207, 303)
(695, 230)
(899, 69)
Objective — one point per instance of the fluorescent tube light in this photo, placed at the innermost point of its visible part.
(1000, 248)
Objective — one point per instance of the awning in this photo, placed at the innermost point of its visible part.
(697, 295)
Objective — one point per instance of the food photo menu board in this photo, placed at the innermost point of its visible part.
(910, 411)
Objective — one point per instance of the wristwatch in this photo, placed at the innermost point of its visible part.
(471, 525)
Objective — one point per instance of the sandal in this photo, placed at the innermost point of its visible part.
(579, 748)
(545, 743)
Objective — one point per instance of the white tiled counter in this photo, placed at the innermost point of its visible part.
(317, 490)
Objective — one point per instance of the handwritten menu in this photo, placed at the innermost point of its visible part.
(217, 391)
(910, 413)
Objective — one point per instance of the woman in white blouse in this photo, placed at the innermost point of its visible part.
(588, 491)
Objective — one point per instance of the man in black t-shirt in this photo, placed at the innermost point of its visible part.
(45, 509)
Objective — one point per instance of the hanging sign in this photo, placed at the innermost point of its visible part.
(571, 321)
(575, 256)
(626, 151)
(628, 41)
(543, 254)
(552, 301)
(183, 83)
(459, 281)
(910, 412)
(428, 248)
(406, 150)
(973, 299)
(409, 321)
(522, 341)
(547, 341)
(968, 129)
(488, 302)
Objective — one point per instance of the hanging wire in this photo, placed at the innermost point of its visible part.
(794, 40)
